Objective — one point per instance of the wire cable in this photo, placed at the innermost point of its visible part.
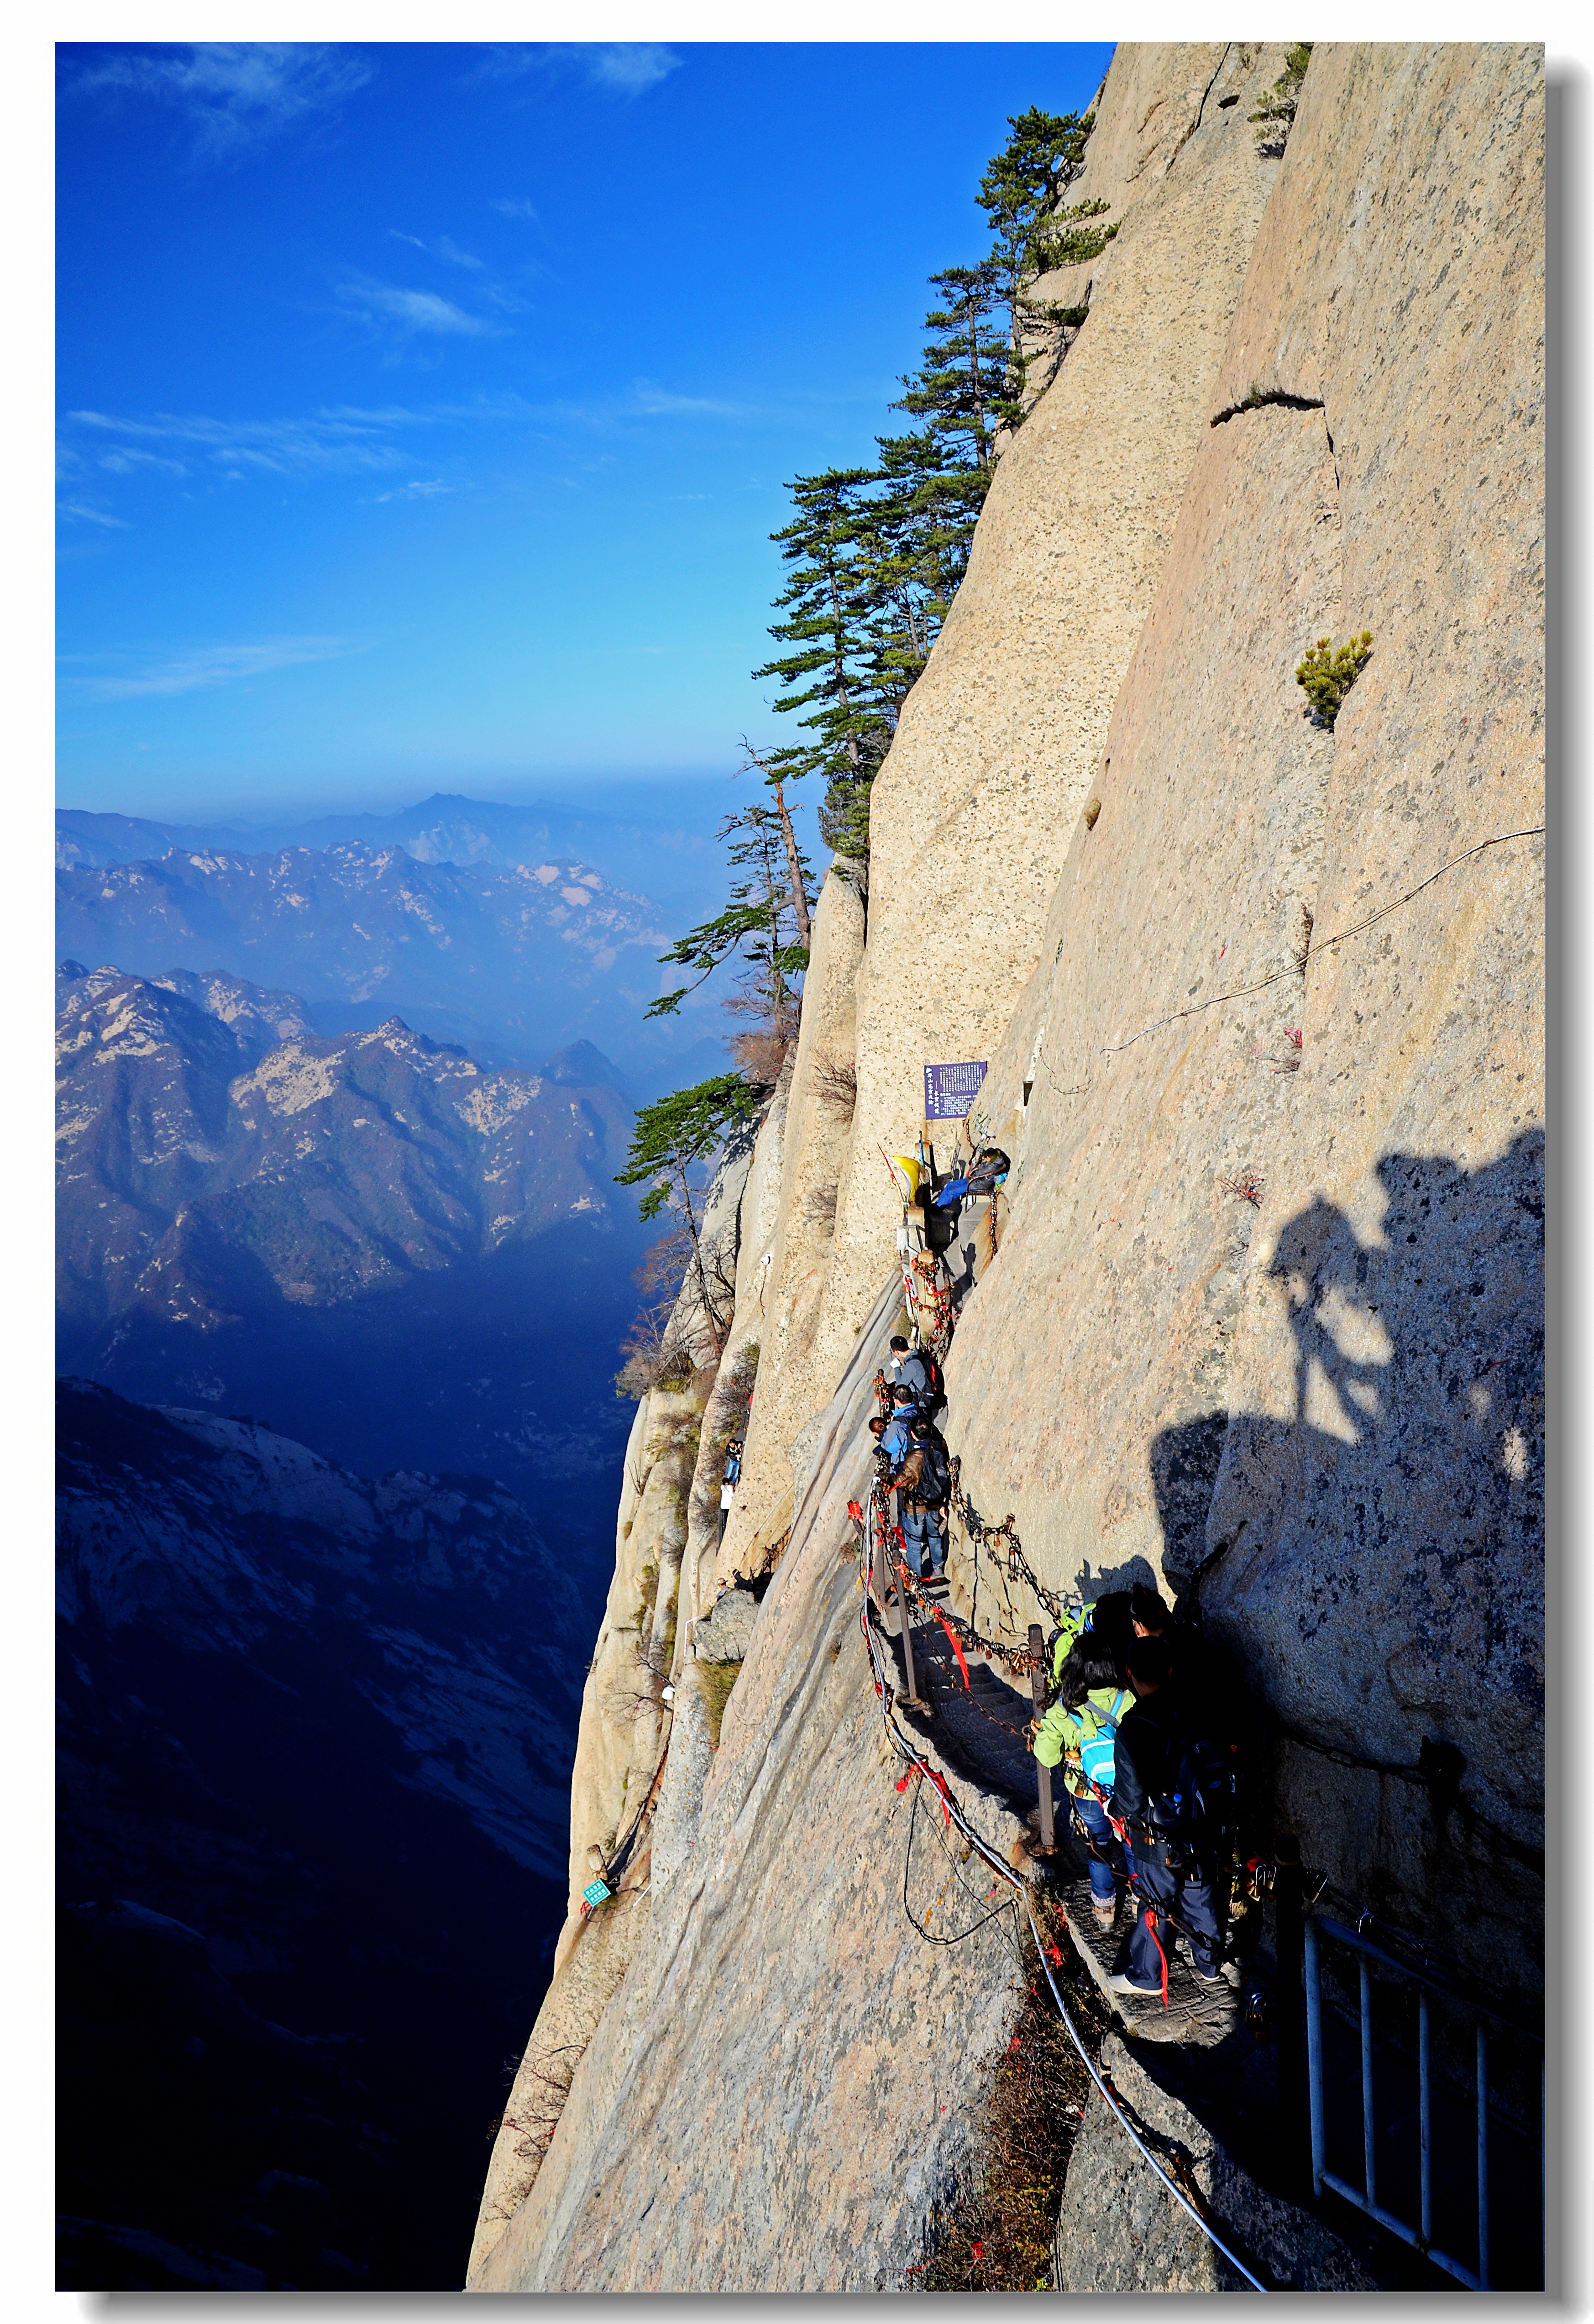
(1112, 1049)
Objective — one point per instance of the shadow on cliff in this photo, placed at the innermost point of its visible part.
(1368, 1567)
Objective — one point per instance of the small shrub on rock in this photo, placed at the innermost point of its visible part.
(1275, 115)
(1329, 672)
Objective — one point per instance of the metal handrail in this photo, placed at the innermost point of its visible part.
(1364, 2198)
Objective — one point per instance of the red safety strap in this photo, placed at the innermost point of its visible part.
(1156, 1941)
(956, 1649)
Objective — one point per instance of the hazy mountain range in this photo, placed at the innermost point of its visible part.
(514, 963)
(316, 1735)
(398, 1255)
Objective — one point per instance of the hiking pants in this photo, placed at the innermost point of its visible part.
(1189, 1895)
(921, 1531)
(1093, 1816)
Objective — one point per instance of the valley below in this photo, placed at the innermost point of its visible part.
(338, 1320)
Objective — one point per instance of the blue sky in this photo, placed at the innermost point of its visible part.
(425, 410)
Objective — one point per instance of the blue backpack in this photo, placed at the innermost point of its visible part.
(1096, 1755)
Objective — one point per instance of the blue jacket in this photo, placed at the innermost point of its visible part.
(895, 1441)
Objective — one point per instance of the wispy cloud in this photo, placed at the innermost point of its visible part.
(385, 303)
(337, 440)
(625, 68)
(209, 666)
(233, 93)
(343, 439)
(125, 462)
(629, 65)
(417, 489)
(513, 205)
(443, 247)
(659, 402)
(81, 512)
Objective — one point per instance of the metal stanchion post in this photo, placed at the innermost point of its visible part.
(1038, 1691)
(1289, 1945)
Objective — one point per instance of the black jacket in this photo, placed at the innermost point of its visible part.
(1142, 1757)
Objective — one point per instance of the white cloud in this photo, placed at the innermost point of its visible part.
(207, 666)
(631, 65)
(124, 462)
(628, 68)
(418, 489)
(658, 402)
(81, 512)
(444, 247)
(513, 205)
(411, 310)
(235, 93)
(330, 440)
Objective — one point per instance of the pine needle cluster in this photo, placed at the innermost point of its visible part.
(1328, 673)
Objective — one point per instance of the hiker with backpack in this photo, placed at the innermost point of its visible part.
(896, 1436)
(729, 1482)
(987, 1172)
(1079, 1733)
(1172, 1793)
(923, 1483)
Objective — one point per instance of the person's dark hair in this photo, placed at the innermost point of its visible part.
(1146, 1607)
(897, 1341)
(1150, 1661)
(1110, 1621)
(904, 1394)
(1087, 1665)
(878, 1425)
(921, 1428)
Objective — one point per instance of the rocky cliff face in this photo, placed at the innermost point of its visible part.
(1260, 1314)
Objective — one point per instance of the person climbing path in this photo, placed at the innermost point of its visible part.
(729, 1482)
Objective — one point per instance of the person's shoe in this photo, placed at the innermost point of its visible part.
(1105, 1910)
(1126, 1984)
(1213, 1976)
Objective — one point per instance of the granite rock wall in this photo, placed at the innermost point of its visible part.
(1262, 1314)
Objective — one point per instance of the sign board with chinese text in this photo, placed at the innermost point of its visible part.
(951, 1089)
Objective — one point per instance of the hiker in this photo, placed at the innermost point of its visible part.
(905, 1411)
(893, 1437)
(987, 1172)
(729, 1482)
(1157, 1796)
(1079, 1732)
(923, 1483)
(907, 1368)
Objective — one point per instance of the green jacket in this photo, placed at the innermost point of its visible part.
(1061, 1731)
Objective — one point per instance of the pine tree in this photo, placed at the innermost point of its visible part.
(1021, 195)
(963, 376)
(759, 928)
(830, 674)
(673, 1138)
